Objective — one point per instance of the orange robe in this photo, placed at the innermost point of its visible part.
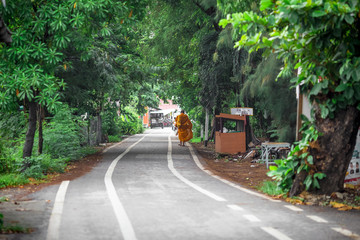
(184, 126)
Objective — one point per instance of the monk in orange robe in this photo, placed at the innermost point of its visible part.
(184, 126)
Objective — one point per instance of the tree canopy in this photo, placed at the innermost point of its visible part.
(320, 39)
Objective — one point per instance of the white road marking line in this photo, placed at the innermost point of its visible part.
(275, 233)
(196, 160)
(235, 207)
(125, 225)
(251, 218)
(317, 219)
(293, 208)
(55, 218)
(186, 181)
(347, 233)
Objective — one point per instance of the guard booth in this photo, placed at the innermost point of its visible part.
(230, 136)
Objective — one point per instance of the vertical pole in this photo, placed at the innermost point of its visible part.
(206, 126)
(202, 132)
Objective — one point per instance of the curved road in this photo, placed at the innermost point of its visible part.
(148, 187)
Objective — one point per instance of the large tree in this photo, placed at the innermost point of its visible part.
(42, 31)
(321, 40)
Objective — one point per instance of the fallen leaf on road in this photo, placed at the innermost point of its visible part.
(337, 205)
(345, 208)
(294, 201)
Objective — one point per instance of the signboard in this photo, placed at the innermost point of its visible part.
(353, 172)
(242, 111)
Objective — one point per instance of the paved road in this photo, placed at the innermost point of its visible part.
(148, 187)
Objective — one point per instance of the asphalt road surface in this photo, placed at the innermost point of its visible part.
(149, 187)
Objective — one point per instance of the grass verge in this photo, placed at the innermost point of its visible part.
(270, 188)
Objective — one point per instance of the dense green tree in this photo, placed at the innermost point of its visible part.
(200, 66)
(42, 31)
(321, 39)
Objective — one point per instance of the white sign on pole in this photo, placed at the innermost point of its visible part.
(242, 111)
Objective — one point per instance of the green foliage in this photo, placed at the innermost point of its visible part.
(130, 127)
(11, 229)
(128, 123)
(196, 140)
(62, 136)
(10, 156)
(12, 124)
(318, 37)
(42, 165)
(274, 103)
(113, 139)
(51, 38)
(12, 179)
(271, 188)
(298, 160)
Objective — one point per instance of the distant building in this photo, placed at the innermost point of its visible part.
(165, 113)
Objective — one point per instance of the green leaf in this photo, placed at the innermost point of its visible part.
(224, 22)
(308, 181)
(324, 111)
(310, 160)
(349, 93)
(316, 89)
(341, 87)
(273, 168)
(264, 4)
(349, 19)
(319, 175)
(316, 183)
(318, 13)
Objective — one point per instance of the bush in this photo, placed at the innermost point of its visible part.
(42, 165)
(62, 136)
(127, 123)
(114, 138)
(12, 125)
(12, 179)
(10, 155)
(271, 188)
(196, 140)
(130, 127)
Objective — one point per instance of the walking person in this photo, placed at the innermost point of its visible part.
(184, 126)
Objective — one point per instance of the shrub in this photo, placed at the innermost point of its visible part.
(10, 155)
(42, 165)
(271, 188)
(114, 138)
(12, 125)
(12, 179)
(62, 136)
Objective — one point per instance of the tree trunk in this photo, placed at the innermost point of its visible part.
(30, 134)
(40, 122)
(99, 134)
(206, 127)
(333, 150)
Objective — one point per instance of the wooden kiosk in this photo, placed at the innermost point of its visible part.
(230, 136)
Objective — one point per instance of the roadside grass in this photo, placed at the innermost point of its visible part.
(270, 188)
(12, 179)
(12, 229)
(114, 138)
(41, 169)
(196, 140)
(15, 229)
